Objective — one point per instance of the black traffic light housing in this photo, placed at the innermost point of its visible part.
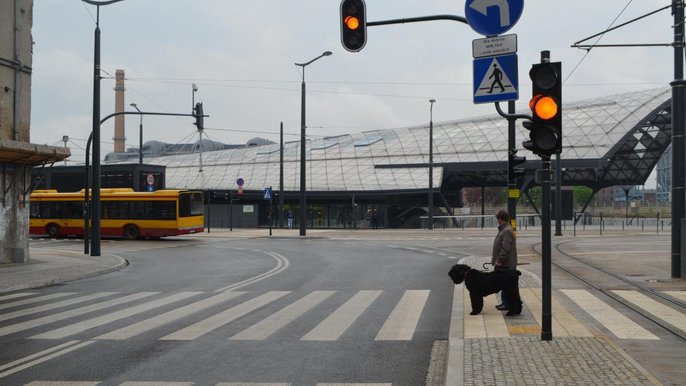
(199, 116)
(353, 25)
(512, 161)
(545, 137)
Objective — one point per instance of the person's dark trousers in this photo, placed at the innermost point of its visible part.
(503, 295)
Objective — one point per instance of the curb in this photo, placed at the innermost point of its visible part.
(454, 372)
(49, 281)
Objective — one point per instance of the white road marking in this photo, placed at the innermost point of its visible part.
(668, 314)
(276, 321)
(159, 320)
(251, 384)
(338, 322)
(111, 317)
(52, 306)
(677, 294)
(618, 324)
(37, 299)
(204, 326)
(71, 313)
(281, 265)
(403, 320)
(43, 356)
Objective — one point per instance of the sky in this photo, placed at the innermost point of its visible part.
(241, 56)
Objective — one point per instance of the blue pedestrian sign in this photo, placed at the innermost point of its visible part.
(267, 193)
(495, 79)
(493, 17)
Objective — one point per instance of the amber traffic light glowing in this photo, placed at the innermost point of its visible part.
(352, 22)
(544, 106)
(353, 25)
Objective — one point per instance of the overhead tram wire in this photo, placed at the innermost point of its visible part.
(588, 51)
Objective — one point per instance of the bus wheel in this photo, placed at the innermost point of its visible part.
(53, 231)
(130, 232)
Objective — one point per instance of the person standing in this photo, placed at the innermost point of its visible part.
(504, 251)
(290, 219)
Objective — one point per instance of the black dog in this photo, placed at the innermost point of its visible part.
(481, 284)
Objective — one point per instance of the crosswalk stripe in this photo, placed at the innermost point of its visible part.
(71, 313)
(37, 299)
(613, 320)
(251, 384)
(204, 326)
(15, 295)
(337, 323)
(61, 383)
(114, 316)
(153, 383)
(354, 384)
(403, 320)
(52, 306)
(273, 323)
(564, 324)
(681, 295)
(168, 317)
(669, 315)
(156, 384)
(54, 354)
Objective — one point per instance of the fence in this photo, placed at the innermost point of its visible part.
(580, 221)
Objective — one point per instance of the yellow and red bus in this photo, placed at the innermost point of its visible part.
(124, 213)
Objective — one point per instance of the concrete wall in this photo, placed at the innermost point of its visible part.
(16, 20)
(15, 68)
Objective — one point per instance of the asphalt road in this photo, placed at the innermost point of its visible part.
(211, 310)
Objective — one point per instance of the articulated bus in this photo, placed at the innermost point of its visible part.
(124, 213)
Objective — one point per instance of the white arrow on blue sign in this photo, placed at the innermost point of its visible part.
(495, 79)
(493, 17)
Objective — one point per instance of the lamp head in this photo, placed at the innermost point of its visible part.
(327, 53)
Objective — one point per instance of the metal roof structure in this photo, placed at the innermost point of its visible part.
(614, 140)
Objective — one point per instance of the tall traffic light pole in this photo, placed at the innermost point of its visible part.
(678, 148)
(545, 139)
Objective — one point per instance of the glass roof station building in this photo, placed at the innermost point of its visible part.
(607, 141)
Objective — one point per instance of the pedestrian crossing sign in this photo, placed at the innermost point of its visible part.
(495, 79)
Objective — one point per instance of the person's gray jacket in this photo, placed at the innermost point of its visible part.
(505, 247)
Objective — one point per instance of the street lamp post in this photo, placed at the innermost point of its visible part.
(95, 206)
(194, 87)
(431, 163)
(303, 209)
(140, 135)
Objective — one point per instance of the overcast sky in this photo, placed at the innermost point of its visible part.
(241, 56)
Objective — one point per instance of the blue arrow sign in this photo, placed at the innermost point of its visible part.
(493, 17)
(495, 79)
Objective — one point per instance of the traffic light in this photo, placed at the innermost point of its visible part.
(199, 117)
(512, 161)
(353, 25)
(545, 137)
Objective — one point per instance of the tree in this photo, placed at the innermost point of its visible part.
(581, 195)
